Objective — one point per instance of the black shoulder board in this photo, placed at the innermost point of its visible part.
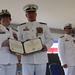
(22, 24)
(43, 23)
(61, 36)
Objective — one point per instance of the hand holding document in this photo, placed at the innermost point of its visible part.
(30, 46)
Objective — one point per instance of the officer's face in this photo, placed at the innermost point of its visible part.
(68, 30)
(31, 16)
(5, 21)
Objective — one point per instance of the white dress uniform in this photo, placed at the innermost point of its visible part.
(8, 60)
(36, 61)
(66, 52)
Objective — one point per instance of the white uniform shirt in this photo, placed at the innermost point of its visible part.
(6, 57)
(28, 31)
(66, 50)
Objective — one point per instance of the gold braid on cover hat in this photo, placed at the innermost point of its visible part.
(4, 12)
(31, 6)
(70, 25)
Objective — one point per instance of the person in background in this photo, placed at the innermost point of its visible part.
(34, 63)
(8, 60)
(66, 50)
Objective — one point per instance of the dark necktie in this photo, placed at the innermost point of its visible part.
(7, 28)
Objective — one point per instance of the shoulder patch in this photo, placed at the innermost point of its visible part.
(43, 23)
(61, 36)
(22, 24)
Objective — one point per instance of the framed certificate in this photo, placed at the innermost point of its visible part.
(33, 45)
(30, 46)
(16, 46)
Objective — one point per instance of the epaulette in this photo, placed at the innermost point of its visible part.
(22, 23)
(61, 36)
(43, 23)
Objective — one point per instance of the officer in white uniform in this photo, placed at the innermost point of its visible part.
(66, 50)
(34, 63)
(8, 60)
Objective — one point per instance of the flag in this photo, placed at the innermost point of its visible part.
(54, 47)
